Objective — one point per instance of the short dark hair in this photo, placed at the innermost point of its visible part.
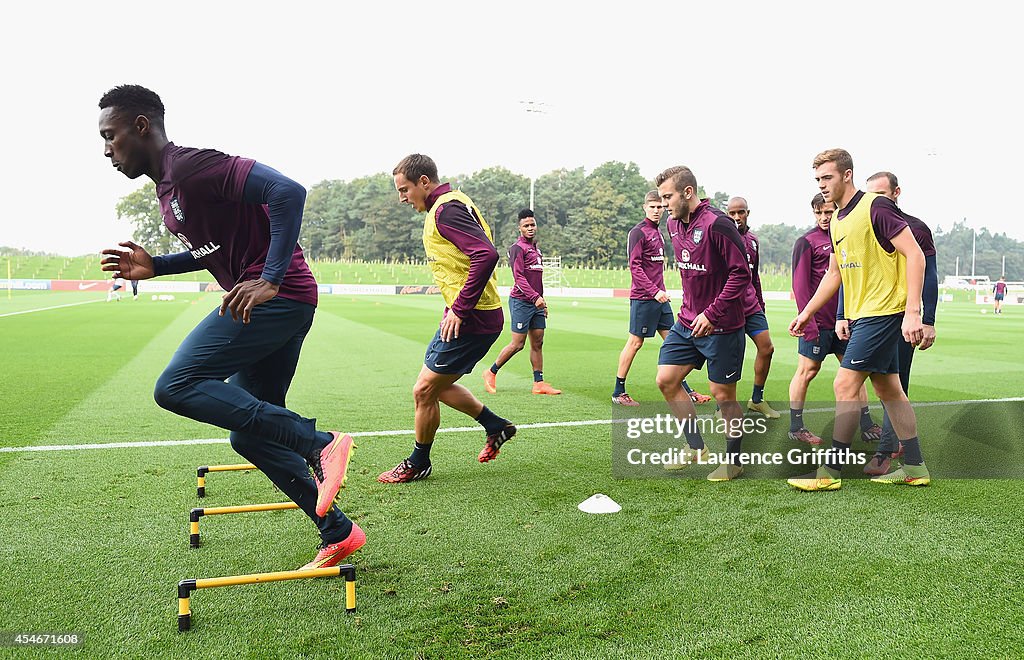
(525, 213)
(135, 100)
(413, 166)
(893, 182)
(817, 201)
(681, 177)
(652, 196)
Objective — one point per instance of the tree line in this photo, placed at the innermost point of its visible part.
(584, 218)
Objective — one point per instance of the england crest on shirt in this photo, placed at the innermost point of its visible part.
(697, 235)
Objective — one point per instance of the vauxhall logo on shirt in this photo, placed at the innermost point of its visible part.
(846, 263)
(684, 261)
(204, 251)
(176, 210)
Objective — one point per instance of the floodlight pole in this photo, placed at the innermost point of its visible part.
(533, 107)
(974, 244)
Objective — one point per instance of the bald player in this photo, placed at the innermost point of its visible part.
(756, 322)
(886, 183)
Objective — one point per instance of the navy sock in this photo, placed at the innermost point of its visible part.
(732, 450)
(620, 386)
(494, 368)
(420, 456)
(538, 376)
(491, 422)
(758, 395)
(837, 457)
(689, 390)
(693, 436)
(865, 419)
(796, 419)
(912, 451)
(888, 443)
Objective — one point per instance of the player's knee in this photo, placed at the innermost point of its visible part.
(722, 394)
(667, 383)
(767, 350)
(634, 343)
(807, 373)
(517, 344)
(537, 344)
(424, 392)
(845, 389)
(241, 442)
(165, 393)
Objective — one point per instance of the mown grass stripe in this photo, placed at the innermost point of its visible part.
(399, 432)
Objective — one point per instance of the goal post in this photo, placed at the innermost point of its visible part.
(553, 274)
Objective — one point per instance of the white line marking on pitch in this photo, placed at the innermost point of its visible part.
(455, 429)
(43, 309)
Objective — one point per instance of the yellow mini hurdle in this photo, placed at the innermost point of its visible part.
(186, 587)
(203, 469)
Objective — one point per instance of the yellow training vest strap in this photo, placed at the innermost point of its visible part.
(874, 281)
(449, 264)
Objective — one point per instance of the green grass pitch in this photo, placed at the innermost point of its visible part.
(482, 559)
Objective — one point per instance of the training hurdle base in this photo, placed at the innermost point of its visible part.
(203, 469)
(195, 514)
(186, 587)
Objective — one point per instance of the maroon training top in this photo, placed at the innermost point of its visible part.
(646, 255)
(527, 270)
(201, 200)
(754, 259)
(812, 254)
(713, 268)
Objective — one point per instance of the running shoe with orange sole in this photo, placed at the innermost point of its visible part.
(333, 466)
(332, 554)
(543, 388)
(908, 475)
(697, 397)
(403, 473)
(878, 465)
(871, 434)
(494, 442)
(625, 400)
(803, 435)
(489, 381)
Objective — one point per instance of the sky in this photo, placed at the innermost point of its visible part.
(744, 93)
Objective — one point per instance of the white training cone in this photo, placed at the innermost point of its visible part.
(599, 504)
